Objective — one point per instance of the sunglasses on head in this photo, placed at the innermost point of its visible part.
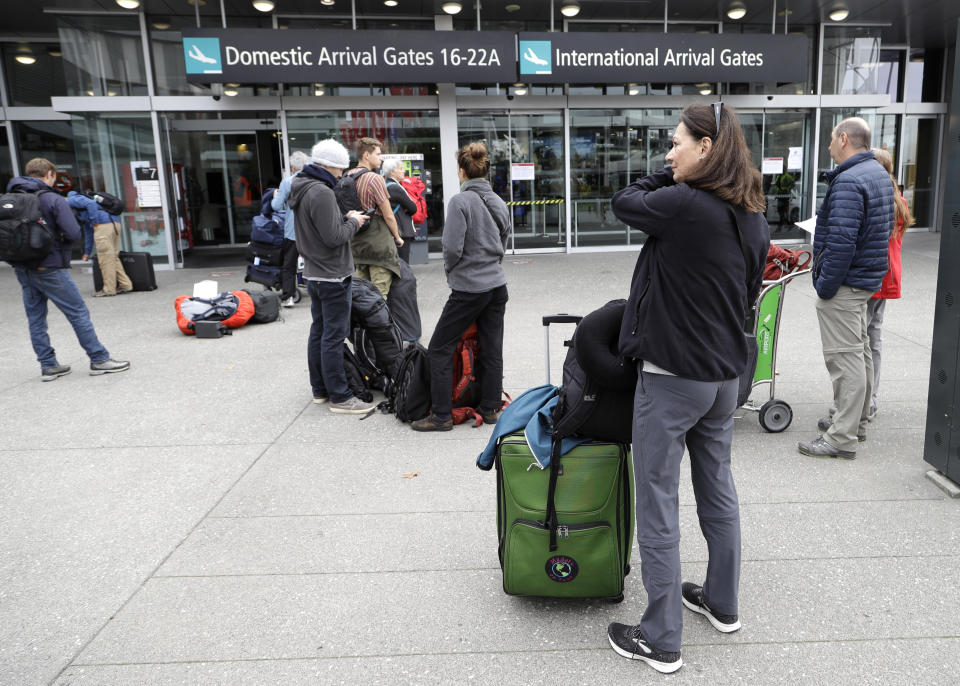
(717, 109)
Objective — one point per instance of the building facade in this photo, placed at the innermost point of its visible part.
(104, 93)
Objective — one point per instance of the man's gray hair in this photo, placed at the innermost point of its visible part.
(389, 165)
(298, 160)
(857, 130)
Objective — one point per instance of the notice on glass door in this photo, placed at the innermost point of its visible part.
(795, 159)
(148, 187)
(772, 165)
(521, 171)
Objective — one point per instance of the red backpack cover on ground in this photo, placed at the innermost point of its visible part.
(466, 387)
(781, 262)
(415, 188)
(245, 310)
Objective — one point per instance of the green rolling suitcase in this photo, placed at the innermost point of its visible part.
(586, 552)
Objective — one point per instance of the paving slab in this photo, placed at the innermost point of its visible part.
(395, 613)
(87, 529)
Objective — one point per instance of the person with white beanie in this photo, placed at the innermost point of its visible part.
(323, 238)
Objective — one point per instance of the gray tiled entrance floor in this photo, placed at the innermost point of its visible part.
(199, 521)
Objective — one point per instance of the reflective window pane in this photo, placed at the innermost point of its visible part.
(34, 72)
(102, 55)
(851, 58)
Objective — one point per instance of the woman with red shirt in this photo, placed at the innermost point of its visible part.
(890, 289)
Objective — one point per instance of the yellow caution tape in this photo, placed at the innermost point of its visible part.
(534, 202)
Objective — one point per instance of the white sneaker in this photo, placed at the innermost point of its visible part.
(288, 302)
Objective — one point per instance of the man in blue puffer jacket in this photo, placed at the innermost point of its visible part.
(850, 260)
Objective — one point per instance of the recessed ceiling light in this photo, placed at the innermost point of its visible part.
(633, 89)
(706, 91)
(451, 7)
(263, 5)
(327, 2)
(197, 2)
(390, 3)
(512, 7)
(569, 9)
(161, 25)
(25, 55)
(129, 4)
(839, 14)
(111, 93)
(54, 51)
(318, 91)
(230, 92)
(519, 89)
(737, 10)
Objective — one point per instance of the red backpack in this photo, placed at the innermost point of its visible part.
(781, 262)
(466, 387)
(415, 188)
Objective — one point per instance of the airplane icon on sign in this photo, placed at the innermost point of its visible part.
(199, 56)
(530, 56)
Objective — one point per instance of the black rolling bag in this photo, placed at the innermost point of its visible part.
(137, 265)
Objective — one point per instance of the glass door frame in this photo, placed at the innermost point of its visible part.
(276, 123)
(935, 165)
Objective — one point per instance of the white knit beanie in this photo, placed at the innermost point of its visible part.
(329, 153)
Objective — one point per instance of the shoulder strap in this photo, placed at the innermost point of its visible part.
(492, 215)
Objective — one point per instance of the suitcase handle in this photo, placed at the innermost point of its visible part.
(561, 318)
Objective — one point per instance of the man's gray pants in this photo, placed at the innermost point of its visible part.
(846, 352)
(668, 413)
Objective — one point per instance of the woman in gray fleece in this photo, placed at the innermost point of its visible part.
(474, 237)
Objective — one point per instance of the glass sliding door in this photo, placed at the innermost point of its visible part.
(918, 173)
(526, 170)
(609, 150)
(219, 166)
(786, 150)
(115, 153)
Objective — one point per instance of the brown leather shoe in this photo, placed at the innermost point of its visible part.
(432, 423)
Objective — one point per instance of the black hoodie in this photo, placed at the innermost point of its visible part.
(693, 281)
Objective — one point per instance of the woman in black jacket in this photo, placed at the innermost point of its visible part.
(403, 205)
(695, 280)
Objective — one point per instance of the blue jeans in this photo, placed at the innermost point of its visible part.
(330, 307)
(40, 285)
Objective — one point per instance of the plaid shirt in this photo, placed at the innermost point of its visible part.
(371, 189)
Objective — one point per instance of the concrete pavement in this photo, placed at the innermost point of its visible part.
(197, 520)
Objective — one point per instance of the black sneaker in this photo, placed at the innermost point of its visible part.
(108, 367)
(629, 642)
(693, 600)
(51, 373)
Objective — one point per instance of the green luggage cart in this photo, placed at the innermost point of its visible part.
(775, 415)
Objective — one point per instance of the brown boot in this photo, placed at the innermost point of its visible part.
(432, 423)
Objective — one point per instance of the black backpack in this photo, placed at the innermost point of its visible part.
(111, 203)
(346, 192)
(356, 379)
(596, 398)
(410, 396)
(24, 234)
(266, 306)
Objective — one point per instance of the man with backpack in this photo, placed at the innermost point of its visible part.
(46, 278)
(323, 236)
(288, 278)
(375, 249)
(106, 238)
(404, 206)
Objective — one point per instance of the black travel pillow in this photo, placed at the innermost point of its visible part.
(596, 345)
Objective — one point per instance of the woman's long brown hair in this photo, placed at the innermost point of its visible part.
(728, 171)
(903, 218)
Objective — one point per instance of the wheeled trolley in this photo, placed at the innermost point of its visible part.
(775, 415)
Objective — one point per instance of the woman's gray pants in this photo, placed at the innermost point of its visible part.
(668, 413)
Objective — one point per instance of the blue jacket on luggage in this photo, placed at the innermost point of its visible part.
(853, 227)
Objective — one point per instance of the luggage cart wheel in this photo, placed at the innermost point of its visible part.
(297, 295)
(775, 416)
